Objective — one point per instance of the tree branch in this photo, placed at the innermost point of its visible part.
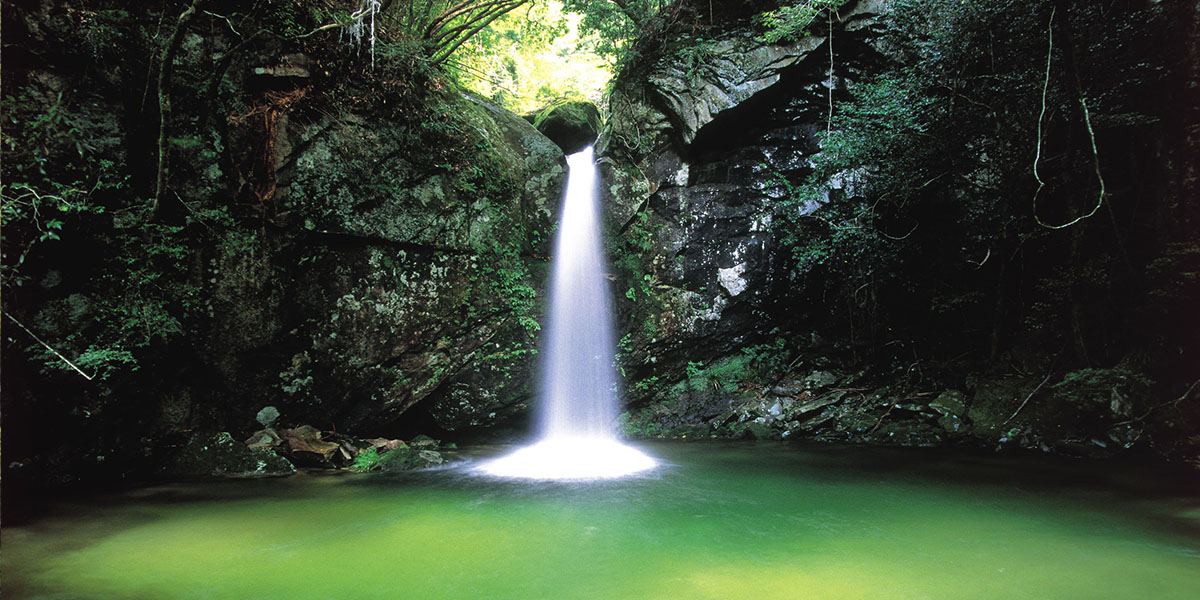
(47, 346)
(445, 53)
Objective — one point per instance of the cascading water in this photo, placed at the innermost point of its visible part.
(577, 400)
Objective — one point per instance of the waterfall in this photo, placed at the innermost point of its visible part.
(577, 399)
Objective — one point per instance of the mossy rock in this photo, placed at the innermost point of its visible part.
(756, 431)
(219, 455)
(573, 125)
(409, 458)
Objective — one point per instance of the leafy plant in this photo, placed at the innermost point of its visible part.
(366, 460)
(790, 22)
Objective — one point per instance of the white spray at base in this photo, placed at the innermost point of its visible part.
(577, 400)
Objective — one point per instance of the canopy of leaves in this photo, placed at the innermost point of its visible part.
(531, 57)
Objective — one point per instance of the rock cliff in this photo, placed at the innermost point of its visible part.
(705, 147)
(342, 242)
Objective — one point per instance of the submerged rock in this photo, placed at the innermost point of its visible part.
(219, 455)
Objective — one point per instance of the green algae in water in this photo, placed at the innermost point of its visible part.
(719, 521)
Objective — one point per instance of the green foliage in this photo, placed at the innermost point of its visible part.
(925, 165)
(530, 58)
(692, 54)
(64, 198)
(366, 460)
(640, 425)
(616, 24)
(630, 253)
(916, 219)
(752, 367)
(790, 22)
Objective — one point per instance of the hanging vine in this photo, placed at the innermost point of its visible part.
(1038, 156)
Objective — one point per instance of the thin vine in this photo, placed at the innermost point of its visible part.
(1091, 135)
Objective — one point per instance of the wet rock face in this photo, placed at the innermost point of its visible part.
(693, 160)
(393, 264)
(410, 270)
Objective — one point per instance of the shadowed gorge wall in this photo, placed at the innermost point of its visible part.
(841, 242)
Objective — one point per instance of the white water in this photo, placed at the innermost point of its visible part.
(577, 399)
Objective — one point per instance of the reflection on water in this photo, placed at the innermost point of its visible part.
(721, 520)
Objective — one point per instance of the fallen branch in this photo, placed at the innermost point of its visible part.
(47, 346)
(1175, 402)
(1030, 396)
(979, 264)
(882, 417)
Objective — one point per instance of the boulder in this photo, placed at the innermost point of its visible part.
(573, 125)
(267, 416)
(305, 444)
(385, 445)
(424, 442)
(264, 439)
(694, 157)
(409, 458)
(949, 403)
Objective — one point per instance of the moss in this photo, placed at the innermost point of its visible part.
(409, 458)
(573, 124)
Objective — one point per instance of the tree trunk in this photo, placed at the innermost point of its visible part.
(165, 70)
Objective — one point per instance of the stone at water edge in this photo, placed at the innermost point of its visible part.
(264, 439)
(408, 458)
(219, 455)
(951, 408)
(423, 441)
(385, 445)
(949, 403)
(305, 444)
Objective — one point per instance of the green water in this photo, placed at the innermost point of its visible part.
(727, 521)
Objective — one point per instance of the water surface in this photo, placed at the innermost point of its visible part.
(720, 520)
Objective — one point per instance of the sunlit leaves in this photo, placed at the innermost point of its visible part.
(531, 57)
(790, 22)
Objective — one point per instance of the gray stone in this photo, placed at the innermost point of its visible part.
(949, 403)
(263, 439)
(736, 69)
(267, 416)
